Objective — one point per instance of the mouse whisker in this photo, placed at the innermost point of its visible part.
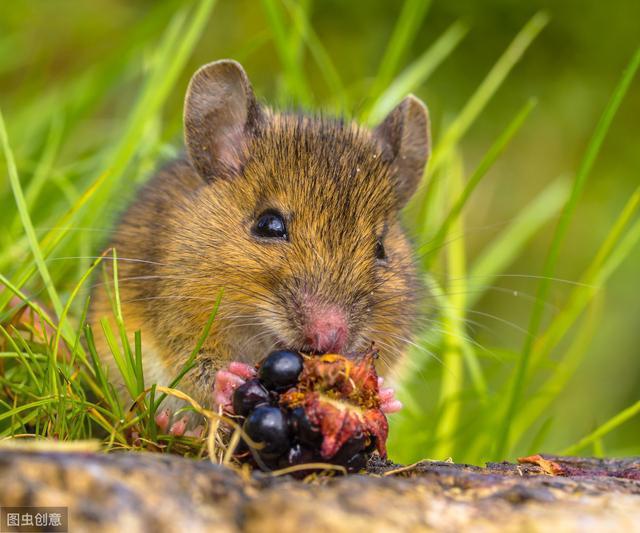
(105, 258)
(248, 345)
(411, 343)
(125, 279)
(432, 324)
(530, 276)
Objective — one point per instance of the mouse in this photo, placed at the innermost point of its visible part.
(290, 219)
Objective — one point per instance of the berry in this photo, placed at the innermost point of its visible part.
(370, 445)
(354, 446)
(241, 449)
(268, 425)
(300, 410)
(248, 396)
(297, 455)
(306, 432)
(280, 370)
(357, 462)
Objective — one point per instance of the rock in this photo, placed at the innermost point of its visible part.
(153, 492)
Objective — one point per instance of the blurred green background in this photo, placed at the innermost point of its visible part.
(79, 66)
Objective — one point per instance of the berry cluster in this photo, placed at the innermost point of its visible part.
(304, 409)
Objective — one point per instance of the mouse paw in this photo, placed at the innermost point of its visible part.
(177, 428)
(388, 401)
(227, 381)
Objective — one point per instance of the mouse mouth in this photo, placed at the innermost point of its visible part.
(308, 350)
(280, 344)
(281, 340)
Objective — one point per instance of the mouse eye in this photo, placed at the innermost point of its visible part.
(381, 254)
(270, 225)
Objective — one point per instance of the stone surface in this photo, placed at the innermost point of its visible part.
(152, 492)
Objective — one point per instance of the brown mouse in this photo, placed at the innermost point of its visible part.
(295, 217)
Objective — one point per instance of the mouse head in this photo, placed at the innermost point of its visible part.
(299, 218)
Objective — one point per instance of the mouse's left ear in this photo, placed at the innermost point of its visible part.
(405, 139)
(220, 113)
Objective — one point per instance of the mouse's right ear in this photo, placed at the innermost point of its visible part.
(220, 111)
(405, 138)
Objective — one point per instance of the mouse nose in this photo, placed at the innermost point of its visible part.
(325, 329)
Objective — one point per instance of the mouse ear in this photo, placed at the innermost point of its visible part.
(220, 111)
(406, 140)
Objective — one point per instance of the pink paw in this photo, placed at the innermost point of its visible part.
(178, 428)
(227, 381)
(163, 418)
(388, 402)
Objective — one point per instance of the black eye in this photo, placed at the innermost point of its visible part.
(270, 225)
(381, 254)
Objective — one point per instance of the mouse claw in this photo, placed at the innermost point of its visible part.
(162, 420)
(386, 394)
(225, 383)
(388, 402)
(391, 406)
(243, 370)
(178, 428)
(228, 380)
(196, 432)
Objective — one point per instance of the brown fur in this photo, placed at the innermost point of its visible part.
(188, 236)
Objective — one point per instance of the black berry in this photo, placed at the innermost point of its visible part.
(357, 462)
(304, 431)
(354, 446)
(370, 444)
(298, 455)
(280, 370)
(268, 425)
(248, 396)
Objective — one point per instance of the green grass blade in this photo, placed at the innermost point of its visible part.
(293, 74)
(27, 406)
(65, 312)
(614, 246)
(538, 403)
(297, 35)
(476, 104)
(520, 376)
(25, 362)
(26, 219)
(54, 237)
(190, 363)
(404, 32)
(475, 370)
(452, 381)
(175, 50)
(540, 437)
(119, 356)
(139, 371)
(452, 316)
(11, 289)
(329, 72)
(44, 168)
(103, 390)
(486, 163)
(611, 424)
(80, 95)
(504, 249)
(203, 337)
(418, 72)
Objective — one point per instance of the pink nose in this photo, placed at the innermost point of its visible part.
(325, 329)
